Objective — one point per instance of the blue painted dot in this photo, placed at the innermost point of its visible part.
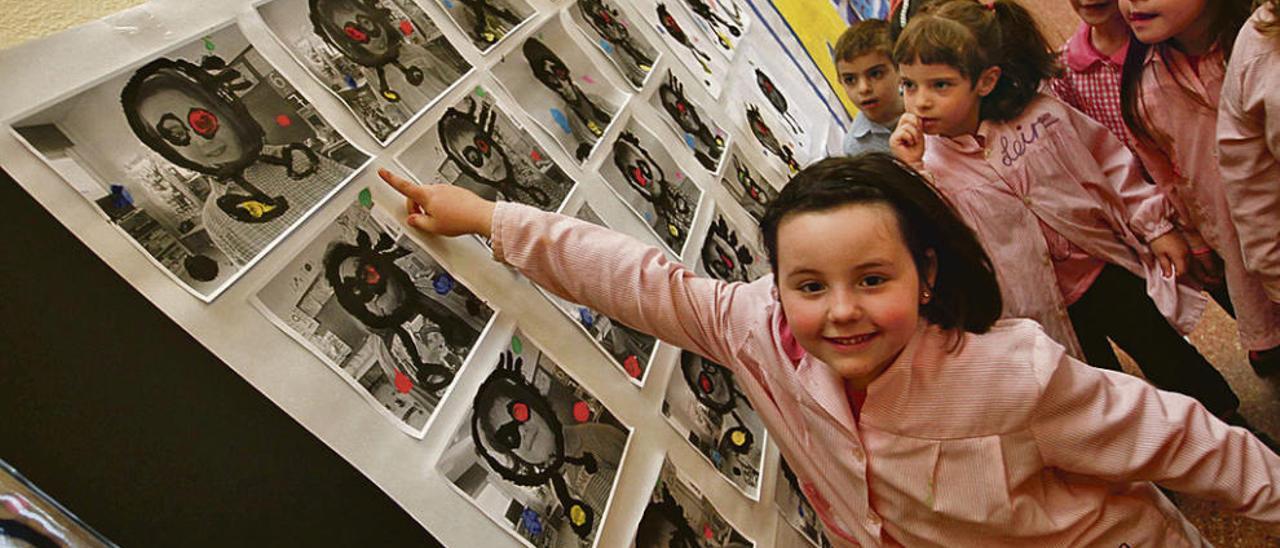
(531, 521)
(447, 4)
(561, 119)
(443, 283)
(716, 457)
(688, 140)
(351, 81)
(606, 46)
(648, 217)
(584, 316)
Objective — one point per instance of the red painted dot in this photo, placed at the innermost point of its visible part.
(704, 383)
(403, 383)
(283, 120)
(632, 365)
(520, 412)
(406, 27)
(535, 155)
(581, 412)
(707, 532)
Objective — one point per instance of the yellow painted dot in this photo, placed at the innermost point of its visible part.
(675, 231)
(578, 515)
(739, 438)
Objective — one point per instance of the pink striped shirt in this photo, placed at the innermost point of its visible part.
(1005, 442)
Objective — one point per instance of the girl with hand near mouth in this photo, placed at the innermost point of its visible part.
(1081, 242)
(861, 353)
(1171, 87)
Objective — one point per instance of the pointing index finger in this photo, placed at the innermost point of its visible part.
(401, 185)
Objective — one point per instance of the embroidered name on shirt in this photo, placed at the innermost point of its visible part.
(1011, 151)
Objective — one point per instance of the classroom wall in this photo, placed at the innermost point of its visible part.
(22, 20)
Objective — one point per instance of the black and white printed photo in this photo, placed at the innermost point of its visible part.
(705, 406)
(679, 515)
(682, 31)
(645, 176)
(559, 85)
(751, 188)
(487, 22)
(477, 146)
(797, 514)
(204, 156)
(691, 121)
(732, 253)
(617, 37)
(537, 452)
(380, 312)
(384, 59)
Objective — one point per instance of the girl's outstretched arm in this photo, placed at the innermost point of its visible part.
(1117, 427)
(610, 272)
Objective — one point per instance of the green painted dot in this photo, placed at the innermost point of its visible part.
(366, 198)
(516, 345)
(208, 43)
(480, 92)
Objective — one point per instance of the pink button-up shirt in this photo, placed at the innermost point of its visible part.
(1048, 452)
(1091, 82)
(1186, 168)
(1249, 149)
(1055, 166)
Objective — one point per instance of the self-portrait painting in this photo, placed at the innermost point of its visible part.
(537, 452)
(204, 156)
(645, 176)
(615, 35)
(678, 515)
(685, 112)
(682, 31)
(732, 253)
(704, 404)
(487, 22)
(561, 88)
(476, 145)
(384, 59)
(751, 187)
(380, 311)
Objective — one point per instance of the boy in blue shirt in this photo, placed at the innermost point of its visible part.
(870, 79)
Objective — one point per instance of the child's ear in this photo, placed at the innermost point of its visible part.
(987, 80)
(929, 272)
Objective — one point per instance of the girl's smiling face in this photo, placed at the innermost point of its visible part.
(1154, 21)
(849, 287)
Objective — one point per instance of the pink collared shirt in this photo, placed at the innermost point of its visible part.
(1249, 149)
(1091, 82)
(1049, 452)
(1187, 170)
(1054, 166)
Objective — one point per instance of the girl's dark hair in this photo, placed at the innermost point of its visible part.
(1270, 28)
(972, 37)
(900, 16)
(966, 295)
(1227, 16)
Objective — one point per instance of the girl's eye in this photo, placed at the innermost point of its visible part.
(907, 85)
(874, 280)
(810, 287)
(848, 80)
(941, 85)
(876, 74)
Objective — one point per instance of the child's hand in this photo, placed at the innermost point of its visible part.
(1171, 251)
(442, 209)
(907, 141)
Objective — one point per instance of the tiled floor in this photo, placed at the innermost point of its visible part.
(1216, 338)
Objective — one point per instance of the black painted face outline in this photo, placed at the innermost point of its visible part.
(202, 88)
(724, 257)
(375, 272)
(482, 144)
(494, 442)
(370, 21)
